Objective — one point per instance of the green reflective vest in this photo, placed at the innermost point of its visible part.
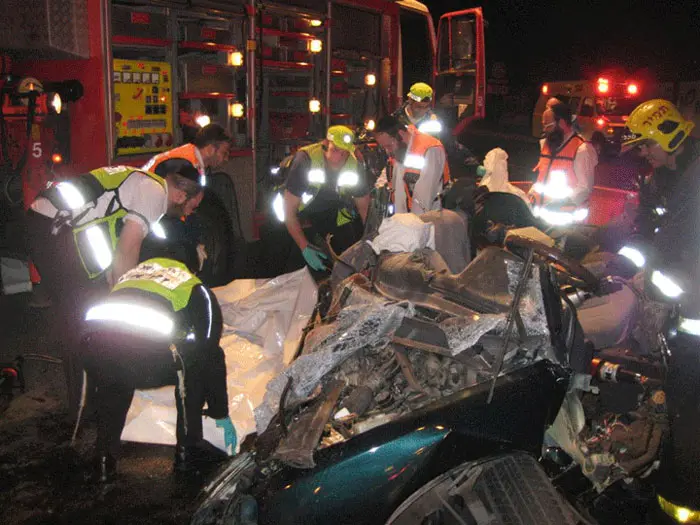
(166, 278)
(317, 178)
(97, 239)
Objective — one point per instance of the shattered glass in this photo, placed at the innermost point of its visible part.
(367, 320)
(532, 303)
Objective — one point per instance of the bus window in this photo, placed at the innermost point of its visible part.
(416, 49)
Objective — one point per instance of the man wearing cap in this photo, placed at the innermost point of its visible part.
(419, 170)
(86, 232)
(417, 110)
(324, 181)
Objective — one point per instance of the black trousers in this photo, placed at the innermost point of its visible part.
(70, 290)
(118, 362)
(117, 365)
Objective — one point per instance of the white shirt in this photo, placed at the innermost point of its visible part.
(427, 187)
(585, 161)
(145, 200)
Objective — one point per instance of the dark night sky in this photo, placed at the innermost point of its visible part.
(568, 40)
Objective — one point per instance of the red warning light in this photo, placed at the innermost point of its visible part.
(600, 122)
(56, 158)
(632, 89)
(545, 89)
(603, 85)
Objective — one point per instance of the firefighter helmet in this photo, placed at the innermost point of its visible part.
(420, 92)
(657, 120)
(342, 137)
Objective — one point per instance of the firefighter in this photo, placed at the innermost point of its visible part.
(566, 170)
(662, 135)
(159, 326)
(419, 170)
(84, 233)
(210, 149)
(669, 160)
(324, 181)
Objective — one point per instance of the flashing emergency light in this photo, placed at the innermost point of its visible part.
(545, 89)
(600, 122)
(235, 58)
(56, 158)
(314, 105)
(370, 124)
(632, 89)
(316, 23)
(370, 79)
(202, 120)
(603, 85)
(315, 46)
(237, 110)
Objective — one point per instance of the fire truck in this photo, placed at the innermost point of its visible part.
(89, 83)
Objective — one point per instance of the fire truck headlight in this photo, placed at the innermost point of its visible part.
(666, 285)
(633, 255)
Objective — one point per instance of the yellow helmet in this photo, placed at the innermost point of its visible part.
(342, 137)
(420, 92)
(657, 120)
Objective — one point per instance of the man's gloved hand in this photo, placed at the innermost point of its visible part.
(314, 257)
(230, 438)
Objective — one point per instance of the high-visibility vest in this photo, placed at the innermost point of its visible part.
(317, 178)
(167, 278)
(561, 161)
(96, 240)
(414, 162)
(430, 124)
(189, 152)
(555, 183)
(167, 282)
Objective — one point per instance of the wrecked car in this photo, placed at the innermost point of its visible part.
(423, 396)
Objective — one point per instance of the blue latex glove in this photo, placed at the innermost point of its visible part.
(230, 438)
(314, 258)
(480, 171)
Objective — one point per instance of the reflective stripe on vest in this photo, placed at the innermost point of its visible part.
(166, 278)
(414, 162)
(188, 152)
(95, 240)
(556, 179)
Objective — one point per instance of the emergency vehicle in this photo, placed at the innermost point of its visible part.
(89, 83)
(599, 105)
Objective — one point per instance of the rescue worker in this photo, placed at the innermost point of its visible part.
(210, 149)
(159, 326)
(323, 180)
(417, 110)
(566, 170)
(418, 171)
(668, 160)
(84, 233)
(662, 135)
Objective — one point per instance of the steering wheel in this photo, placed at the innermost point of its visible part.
(556, 258)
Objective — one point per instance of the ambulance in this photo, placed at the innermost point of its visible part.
(600, 105)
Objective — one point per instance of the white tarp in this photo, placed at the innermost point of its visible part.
(263, 322)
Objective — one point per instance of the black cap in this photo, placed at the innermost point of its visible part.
(182, 167)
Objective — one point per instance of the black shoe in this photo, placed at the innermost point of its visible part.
(106, 469)
(194, 458)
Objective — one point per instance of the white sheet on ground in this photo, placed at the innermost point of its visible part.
(263, 322)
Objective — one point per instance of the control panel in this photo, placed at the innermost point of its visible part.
(143, 109)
